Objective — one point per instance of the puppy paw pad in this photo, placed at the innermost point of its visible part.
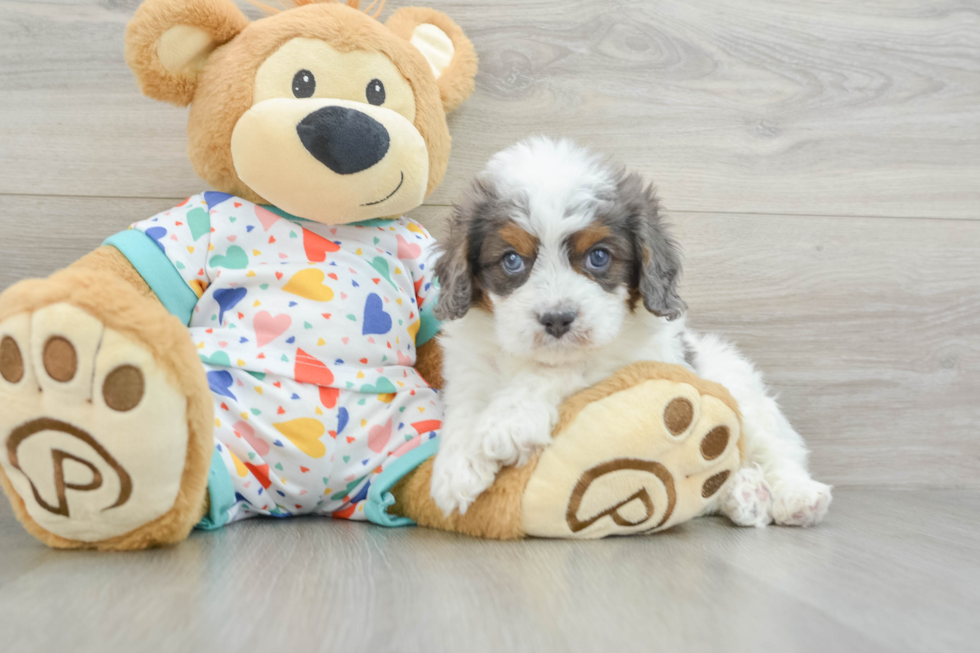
(802, 504)
(747, 500)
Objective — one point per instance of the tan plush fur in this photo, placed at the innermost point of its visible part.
(219, 18)
(107, 287)
(496, 514)
(109, 260)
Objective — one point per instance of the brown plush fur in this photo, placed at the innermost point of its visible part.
(497, 513)
(109, 260)
(224, 90)
(428, 363)
(220, 18)
(107, 287)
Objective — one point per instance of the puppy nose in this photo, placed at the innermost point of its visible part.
(558, 324)
(345, 140)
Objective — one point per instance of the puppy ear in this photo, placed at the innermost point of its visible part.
(168, 43)
(658, 256)
(444, 45)
(456, 269)
(454, 273)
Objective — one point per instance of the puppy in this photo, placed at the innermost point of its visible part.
(557, 272)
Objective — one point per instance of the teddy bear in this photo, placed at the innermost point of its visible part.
(267, 347)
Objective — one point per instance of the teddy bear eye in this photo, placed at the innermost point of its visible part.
(304, 84)
(375, 92)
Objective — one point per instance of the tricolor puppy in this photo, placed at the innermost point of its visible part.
(557, 272)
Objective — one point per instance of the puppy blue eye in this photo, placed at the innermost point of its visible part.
(599, 259)
(512, 262)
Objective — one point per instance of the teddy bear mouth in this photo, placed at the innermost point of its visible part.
(389, 195)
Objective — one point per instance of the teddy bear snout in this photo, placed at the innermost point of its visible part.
(343, 139)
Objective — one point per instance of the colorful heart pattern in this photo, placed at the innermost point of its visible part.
(308, 284)
(227, 299)
(235, 258)
(376, 321)
(306, 333)
(269, 327)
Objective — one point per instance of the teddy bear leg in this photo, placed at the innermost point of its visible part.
(646, 449)
(496, 514)
(105, 413)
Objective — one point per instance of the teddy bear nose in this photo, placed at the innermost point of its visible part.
(345, 140)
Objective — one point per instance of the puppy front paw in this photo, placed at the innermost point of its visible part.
(512, 433)
(747, 499)
(458, 479)
(801, 503)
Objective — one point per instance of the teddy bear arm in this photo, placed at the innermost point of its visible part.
(110, 261)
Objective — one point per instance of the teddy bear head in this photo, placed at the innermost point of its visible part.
(318, 109)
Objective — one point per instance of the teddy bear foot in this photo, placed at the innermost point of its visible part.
(650, 447)
(100, 446)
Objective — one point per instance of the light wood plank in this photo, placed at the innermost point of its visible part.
(867, 327)
(770, 106)
(887, 571)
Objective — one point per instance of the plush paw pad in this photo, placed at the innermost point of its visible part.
(637, 460)
(93, 434)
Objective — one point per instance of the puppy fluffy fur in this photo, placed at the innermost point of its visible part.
(558, 271)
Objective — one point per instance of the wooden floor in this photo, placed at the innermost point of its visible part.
(821, 164)
(890, 570)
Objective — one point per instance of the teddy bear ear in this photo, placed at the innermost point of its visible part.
(441, 41)
(168, 43)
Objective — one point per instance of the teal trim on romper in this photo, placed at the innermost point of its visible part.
(430, 324)
(221, 493)
(158, 271)
(380, 498)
